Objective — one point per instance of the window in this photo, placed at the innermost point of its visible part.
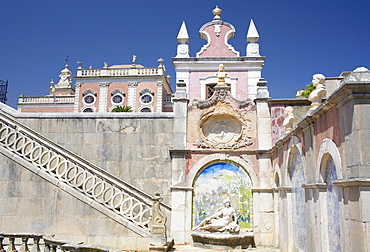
(89, 99)
(210, 90)
(88, 110)
(146, 98)
(117, 99)
(145, 110)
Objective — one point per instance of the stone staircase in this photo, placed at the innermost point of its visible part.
(99, 189)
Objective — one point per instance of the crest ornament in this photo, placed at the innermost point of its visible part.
(223, 128)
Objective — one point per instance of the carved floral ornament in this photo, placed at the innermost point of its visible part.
(223, 128)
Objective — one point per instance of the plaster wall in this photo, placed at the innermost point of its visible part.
(49, 109)
(113, 86)
(241, 84)
(94, 87)
(217, 46)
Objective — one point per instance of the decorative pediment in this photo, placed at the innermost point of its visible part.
(88, 91)
(117, 91)
(146, 91)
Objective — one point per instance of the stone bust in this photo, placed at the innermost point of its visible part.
(316, 95)
(289, 118)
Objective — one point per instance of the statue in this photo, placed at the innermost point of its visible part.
(289, 118)
(223, 220)
(133, 60)
(316, 95)
(221, 74)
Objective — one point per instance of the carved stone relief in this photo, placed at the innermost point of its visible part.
(223, 128)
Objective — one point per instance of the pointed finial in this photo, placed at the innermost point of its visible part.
(217, 11)
(252, 35)
(183, 36)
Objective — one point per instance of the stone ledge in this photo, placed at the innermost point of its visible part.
(223, 241)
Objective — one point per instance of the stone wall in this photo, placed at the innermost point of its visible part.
(325, 208)
(30, 204)
(133, 148)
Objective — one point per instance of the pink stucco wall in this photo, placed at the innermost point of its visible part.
(277, 119)
(241, 84)
(217, 47)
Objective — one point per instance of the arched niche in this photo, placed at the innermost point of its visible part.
(328, 150)
(296, 171)
(214, 180)
(295, 145)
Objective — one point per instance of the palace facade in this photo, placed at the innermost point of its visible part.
(297, 171)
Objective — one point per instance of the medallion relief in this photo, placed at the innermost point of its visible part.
(223, 128)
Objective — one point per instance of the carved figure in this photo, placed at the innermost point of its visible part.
(316, 96)
(221, 74)
(134, 59)
(223, 220)
(289, 118)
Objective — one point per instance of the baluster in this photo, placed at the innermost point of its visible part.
(47, 246)
(1, 243)
(11, 246)
(24, 247)
(36, 245)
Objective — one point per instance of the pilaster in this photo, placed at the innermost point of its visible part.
(180, 194)
(103, 96)
(77, 96)
(265, 230)
(159, 96)
(132, 94)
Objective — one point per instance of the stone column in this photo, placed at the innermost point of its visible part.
(179, 191)
(264, 225)
(159, 96)
(132, 94)
(103, 96)
(77, 96)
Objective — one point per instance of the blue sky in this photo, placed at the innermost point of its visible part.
(298, 38)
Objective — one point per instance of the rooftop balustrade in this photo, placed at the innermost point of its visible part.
(120, 72)
(47, 99)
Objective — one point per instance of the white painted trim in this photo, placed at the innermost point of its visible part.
(294, 145)
(222, 157)
(328, 147)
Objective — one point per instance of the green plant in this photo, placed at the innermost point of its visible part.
(122, 109)
(309, 88)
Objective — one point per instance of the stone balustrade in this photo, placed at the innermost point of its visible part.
(76, 176)
(119, 72)
(47, 99)
(22, 242)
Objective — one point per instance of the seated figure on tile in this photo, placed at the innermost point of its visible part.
(223, 220)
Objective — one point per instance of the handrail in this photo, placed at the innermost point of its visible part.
(77, 174)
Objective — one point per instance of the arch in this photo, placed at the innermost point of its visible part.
(221, 157)
(328, 149)
(277, 176)
(296, 167)
(219, 181)
(294, 145)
